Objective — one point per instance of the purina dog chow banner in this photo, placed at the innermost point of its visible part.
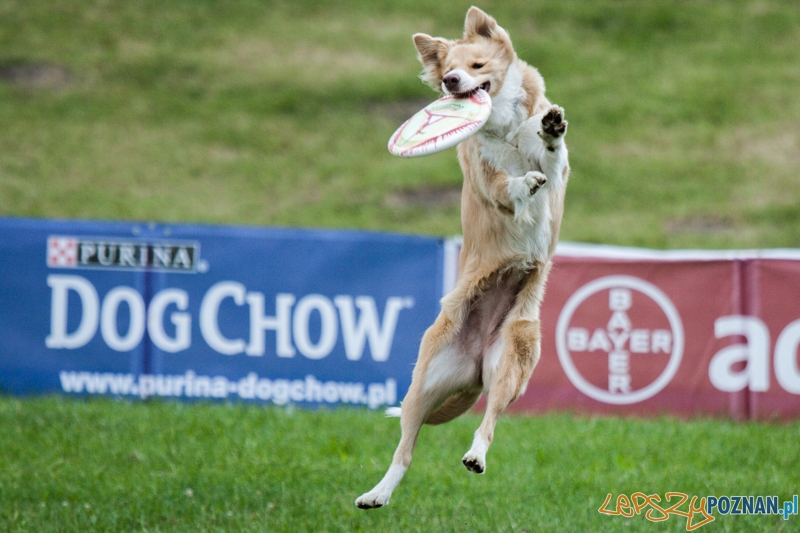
(269, 315)
(333, 317)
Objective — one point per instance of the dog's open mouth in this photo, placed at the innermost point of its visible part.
(467, 94)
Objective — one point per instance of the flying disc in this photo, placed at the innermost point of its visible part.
(441, 124)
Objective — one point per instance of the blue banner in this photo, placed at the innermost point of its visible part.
(185, 311)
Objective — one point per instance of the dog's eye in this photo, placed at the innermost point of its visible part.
(477, 66)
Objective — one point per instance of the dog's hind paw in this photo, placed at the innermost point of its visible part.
(554, 127)
(372, 500)
(474, 463)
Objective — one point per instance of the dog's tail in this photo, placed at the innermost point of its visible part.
(393, 412)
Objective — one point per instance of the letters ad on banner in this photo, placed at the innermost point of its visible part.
(773, 337)
(196, 312)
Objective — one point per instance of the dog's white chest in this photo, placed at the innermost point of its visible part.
(504, 156)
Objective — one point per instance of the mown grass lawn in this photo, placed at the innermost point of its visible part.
(105, 465)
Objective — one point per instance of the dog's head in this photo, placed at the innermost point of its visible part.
(480, 59)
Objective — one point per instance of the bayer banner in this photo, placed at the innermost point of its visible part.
(628, 331)
(198, 312)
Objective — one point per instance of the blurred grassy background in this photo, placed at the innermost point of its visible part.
(683, 114)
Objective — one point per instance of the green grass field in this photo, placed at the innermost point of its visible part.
(102, 465)
(683, 133)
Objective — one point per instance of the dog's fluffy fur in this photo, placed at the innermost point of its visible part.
(487, 336)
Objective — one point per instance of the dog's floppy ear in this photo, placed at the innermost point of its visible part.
(431, 52)
(478, 24)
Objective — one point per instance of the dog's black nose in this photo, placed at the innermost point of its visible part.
(451, 81)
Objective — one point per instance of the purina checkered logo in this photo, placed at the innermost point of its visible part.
(88, 252)
(62, 252)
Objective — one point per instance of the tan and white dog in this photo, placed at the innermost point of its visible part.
(487, 336)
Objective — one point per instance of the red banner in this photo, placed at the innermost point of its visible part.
(639, 332)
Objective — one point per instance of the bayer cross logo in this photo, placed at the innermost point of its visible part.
(619, 339)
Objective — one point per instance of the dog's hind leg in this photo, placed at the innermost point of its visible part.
(416, 407)
(507, 383)
(436, 376)
(455, 406)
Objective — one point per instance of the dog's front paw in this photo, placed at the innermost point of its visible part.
(554, 127)
(534, 181)
(521, 191)
(372, 500)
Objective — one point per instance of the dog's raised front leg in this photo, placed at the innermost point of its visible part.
(520, 355)
(521, 189)
(541, 140)
(509, 193)
(553, 128)
(554, 160)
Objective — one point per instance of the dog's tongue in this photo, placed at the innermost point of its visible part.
(442, 124)
(484, 87)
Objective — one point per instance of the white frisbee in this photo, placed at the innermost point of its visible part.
(442, 124)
